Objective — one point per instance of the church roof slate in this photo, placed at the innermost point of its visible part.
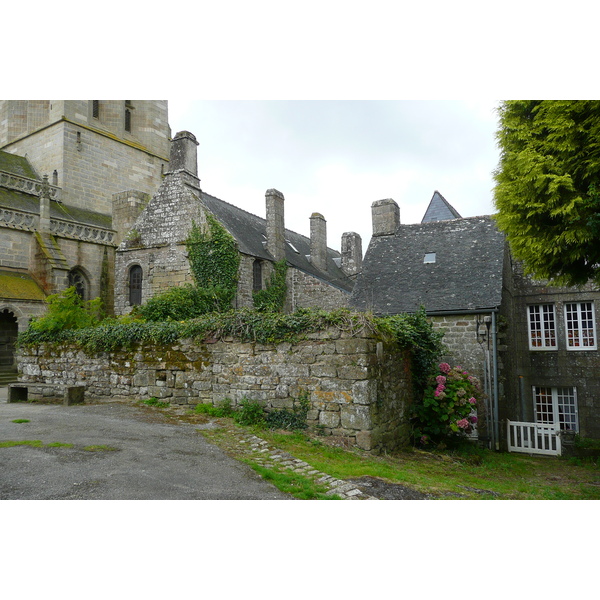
(466, 274)
(250, 232)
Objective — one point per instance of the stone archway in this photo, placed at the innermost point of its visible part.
(9, 329)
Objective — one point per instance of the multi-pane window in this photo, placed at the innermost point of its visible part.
(542, 327)
(580, 326)
(556, 405)
(135, 285)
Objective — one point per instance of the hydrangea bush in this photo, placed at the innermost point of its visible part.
(449, 408)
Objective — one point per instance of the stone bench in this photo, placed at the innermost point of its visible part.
(22, 392)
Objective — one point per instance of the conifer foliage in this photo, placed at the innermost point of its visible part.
(547, 190)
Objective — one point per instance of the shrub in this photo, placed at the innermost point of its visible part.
(250, 412)
(448, 411)
(184, 302)
(290, 419)
(67, 310)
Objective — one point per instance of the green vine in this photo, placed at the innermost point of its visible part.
(272, 299)
(214, 256)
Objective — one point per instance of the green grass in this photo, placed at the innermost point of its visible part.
(20, 421)
(99, 448)
(470, 473)
(34, 444)
(297, 485)
(155, 402)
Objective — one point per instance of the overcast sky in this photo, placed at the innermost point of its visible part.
(337, 157)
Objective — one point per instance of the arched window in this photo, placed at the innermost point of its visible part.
(78, 280)
(257, 275)
(135, 285)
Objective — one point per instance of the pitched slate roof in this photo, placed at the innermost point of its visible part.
(439, 209)
(16, 165)
(250, 232)
(466, 274)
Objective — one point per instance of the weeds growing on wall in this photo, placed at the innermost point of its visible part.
(272, 298)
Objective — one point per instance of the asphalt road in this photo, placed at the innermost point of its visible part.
(138, 457)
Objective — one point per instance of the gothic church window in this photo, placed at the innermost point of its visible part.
(96, 109)
(135, 285)
(78, 280)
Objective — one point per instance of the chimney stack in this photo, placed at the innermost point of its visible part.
(275, 224)
(184, 157)
(318, 241)
(386, 217)
(351, 253)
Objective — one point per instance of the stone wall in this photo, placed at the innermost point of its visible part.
(359, 387)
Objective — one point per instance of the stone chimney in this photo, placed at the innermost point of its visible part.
(275, 224)
(386, 217)
(44, 226)
(351, 253)
(318, 241)
(184, 157)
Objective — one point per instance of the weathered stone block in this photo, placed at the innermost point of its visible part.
(329, 418)
(356, 417)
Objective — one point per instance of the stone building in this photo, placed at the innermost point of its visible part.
(533, 346)
(74, 174)
(153, 256)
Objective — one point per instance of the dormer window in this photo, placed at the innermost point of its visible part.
(429, 258)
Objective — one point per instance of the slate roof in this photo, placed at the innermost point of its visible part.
(439, 209)
(466, 274)
(16, 165)
(250, 232)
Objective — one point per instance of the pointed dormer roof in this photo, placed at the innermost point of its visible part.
(439, 209)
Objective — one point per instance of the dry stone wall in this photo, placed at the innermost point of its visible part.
(359, 387)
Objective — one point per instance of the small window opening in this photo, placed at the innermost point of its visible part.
(135, 285)
(96, 109)
(429, 258)
(127, 120)
(257, 275)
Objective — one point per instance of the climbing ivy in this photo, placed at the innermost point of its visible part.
(214, 256)
(272, 299)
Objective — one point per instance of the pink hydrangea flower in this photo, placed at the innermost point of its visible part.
(472, 400)
(444, 368)
(473, 419)
(440, 379)
(463, 423)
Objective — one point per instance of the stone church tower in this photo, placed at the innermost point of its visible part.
(74, 175)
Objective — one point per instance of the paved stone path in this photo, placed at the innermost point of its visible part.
(268, 456)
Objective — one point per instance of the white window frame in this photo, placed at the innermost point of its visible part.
(545, 334)
(560, 401)
(574, 329)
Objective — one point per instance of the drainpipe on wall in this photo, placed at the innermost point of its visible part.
(495, 389)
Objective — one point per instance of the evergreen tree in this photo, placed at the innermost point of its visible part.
(547, 190)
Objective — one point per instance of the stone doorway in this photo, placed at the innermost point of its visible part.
(8, 335)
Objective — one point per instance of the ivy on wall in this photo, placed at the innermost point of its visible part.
(272, 299)
(214, 263)
(214, 256)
